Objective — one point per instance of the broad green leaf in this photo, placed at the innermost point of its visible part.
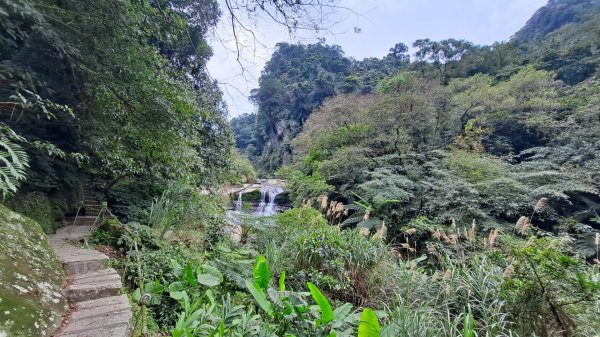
(154, 287)
(282, 281)
(260, 297)
(208, 280)
(177, 295)
(261, 273)
(176, 286)
(340, 313)
(188, 275)
(369, 324)
(176, 267)
(322, 302)
(137, 295)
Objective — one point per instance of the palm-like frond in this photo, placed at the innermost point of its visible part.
(13, 165)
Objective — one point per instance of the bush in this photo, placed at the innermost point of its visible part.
(182, 210)
(303, 188)
(309, 250)
(475, 167)
(130, 200)
(241, 170)
(545, 281)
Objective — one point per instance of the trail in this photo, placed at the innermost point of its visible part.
(93, 290)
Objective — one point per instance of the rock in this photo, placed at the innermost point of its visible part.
(31, 303)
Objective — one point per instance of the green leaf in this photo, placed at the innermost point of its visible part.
(176, 286)
(468, 329)
(209, 275)
(282, 281)
(322, 302)
(188, 275)
(137, 295)
(208, 280)
(260, 297)
(178, 295)
(340, 313)
(261, 273)
(369, 324)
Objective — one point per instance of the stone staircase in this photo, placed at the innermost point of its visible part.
(98, 309)
(90, 200)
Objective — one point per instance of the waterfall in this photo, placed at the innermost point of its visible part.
(267, 205)
(238, 204)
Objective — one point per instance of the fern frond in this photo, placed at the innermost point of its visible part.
(13, 165)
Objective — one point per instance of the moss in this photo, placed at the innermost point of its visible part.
(283, 198)
(30, 279)
(253, 196)
(37, 207)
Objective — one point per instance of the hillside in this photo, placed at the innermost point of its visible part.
(553, 16)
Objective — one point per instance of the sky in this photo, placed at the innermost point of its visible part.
(382, 24)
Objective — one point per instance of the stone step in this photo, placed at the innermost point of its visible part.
(92, 206)
(116, 330)
(103, 317)
(81, 263)
(71, 233)
(93, 285)
(112, 301)
(84, 220)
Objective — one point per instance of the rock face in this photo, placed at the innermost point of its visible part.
(31, 303)
(554, 15)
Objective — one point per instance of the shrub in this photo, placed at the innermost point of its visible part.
(183, 208)
(475, 167)
(241, 170)
(545, 281)
(309, 250)
(130, 200)
(303, 188)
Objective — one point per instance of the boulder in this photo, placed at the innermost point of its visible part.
(31, 303)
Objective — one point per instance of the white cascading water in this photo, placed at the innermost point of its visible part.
(238, 204)
(267, 205)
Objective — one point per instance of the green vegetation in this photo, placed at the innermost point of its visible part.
(452, 194)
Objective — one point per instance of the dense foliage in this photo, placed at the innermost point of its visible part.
(462, 132)
(116, 89)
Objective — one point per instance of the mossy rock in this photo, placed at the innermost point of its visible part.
(283, 199)
(252, 196)
(31, 303)
(36, 206)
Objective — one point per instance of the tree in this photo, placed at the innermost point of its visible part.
(443, 54)
(399, 52)
(294, 82)
(143, 103)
